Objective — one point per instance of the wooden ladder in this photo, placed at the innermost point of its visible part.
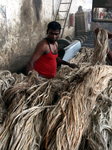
(62, 14)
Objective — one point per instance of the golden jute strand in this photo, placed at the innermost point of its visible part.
(101, 46)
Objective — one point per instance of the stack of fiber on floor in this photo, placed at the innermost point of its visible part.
(70, 112)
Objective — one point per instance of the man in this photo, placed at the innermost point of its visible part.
(45, 57)
(109, 52)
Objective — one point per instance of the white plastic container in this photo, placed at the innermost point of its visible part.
(71, 50)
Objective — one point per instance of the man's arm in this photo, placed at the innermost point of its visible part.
(39, 51)
(60, 61)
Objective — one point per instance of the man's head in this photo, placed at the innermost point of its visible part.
(53, 31)
(54, 26)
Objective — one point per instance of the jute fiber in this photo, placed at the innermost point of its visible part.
(70, 112)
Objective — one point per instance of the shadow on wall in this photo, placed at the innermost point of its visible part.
(26, 12)
(38, 4)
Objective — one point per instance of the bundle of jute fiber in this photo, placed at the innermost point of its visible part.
(67, 122)
(98, 134)
(28, 121)
(6, 80)
(95, 55)
(85, 54)
(23, 102)
(101, 46)
(83, 58)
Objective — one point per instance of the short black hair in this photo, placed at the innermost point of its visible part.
(54, 26)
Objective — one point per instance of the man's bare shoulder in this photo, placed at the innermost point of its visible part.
(42, 46)
(43, 43)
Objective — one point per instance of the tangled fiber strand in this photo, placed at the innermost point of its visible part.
(90, 56)
(6, 80)
(101, 120)
(101, 46)
(84, 55)
(73, 110)
(98, 133)
(23, 103)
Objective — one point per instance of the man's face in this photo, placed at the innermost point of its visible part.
(53, 35)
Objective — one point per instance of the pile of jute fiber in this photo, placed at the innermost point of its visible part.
(70, 112)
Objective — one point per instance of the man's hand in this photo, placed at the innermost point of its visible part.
(73, 66)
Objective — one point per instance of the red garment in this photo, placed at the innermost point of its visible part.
(46, 65)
